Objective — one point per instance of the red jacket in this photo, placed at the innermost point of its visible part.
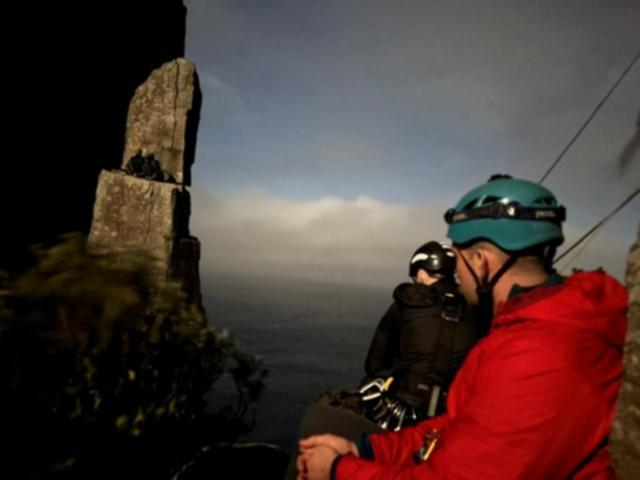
(535, 399)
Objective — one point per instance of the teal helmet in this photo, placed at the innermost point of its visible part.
(512, 213)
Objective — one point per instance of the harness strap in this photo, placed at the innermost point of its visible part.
(448, 324)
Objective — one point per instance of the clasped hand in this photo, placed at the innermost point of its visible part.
(317, 454)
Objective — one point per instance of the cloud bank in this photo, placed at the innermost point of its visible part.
(331, 239)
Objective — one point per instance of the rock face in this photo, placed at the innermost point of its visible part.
(625, 436)
(142, 212)
(81, 110)
(633, 284)
(163, 119)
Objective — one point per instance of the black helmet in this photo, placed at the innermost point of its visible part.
(435, 258)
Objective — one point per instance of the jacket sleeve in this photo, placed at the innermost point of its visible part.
(520, 419)
(398, 447)
(381, 350)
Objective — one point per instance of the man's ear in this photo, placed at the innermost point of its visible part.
(482, 262)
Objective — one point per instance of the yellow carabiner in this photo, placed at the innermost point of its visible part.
(387, 384)
(430, 440)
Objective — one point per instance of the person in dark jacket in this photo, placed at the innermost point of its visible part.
(419, 344)
(421, 340)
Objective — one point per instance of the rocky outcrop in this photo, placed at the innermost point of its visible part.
(633, 284)
(71, 126)
(142, 211)
(163, 119)
(625, 436)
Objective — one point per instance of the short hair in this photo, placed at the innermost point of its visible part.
(530, 261)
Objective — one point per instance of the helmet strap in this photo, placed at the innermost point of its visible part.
(484, 290)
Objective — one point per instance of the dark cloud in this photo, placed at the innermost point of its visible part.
(415, 102)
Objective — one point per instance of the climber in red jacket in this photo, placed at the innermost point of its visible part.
(535, 398)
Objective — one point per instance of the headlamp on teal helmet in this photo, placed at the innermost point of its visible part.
(513, 214)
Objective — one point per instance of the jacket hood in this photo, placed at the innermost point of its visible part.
(417, 295)
(592, 301)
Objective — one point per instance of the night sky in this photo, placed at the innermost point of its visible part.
(334, 134)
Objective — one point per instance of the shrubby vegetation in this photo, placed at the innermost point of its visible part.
(106, 374)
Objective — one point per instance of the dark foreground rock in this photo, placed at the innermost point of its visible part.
(242, 461)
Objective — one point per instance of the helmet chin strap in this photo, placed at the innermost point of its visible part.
(484, 290)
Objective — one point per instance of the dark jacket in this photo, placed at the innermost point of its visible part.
(407, 341)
